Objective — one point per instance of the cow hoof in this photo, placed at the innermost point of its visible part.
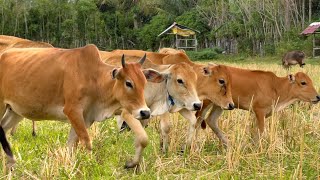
(130, 164)
(34, 134)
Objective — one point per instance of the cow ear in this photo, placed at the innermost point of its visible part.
(153, 75)
(114, 73)
(207, 71)
(291, 78)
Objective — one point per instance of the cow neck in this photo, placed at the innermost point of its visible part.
(106, 83)
(201, 79)
(283, 89)
(170, 98)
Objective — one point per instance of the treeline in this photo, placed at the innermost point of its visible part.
(236, 26)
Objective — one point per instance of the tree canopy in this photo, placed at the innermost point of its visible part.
(250, 26)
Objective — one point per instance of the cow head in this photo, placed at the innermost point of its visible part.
(302, 88)
(216, 85)
(181, 85)
(129, 86)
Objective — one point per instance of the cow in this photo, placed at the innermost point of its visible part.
(176, 93)
(75, 86)
(214, 84)
(171, 51)
(158, 58)
(292, 58)
(262, 92)
(7, 42)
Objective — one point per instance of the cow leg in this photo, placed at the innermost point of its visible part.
(141, 139)
(165, 129)
(14, 129)
(73, 139)
(212, 121)
(9, 120)
(260, 115)
(189, 115)
(33, 128)
(75, 116)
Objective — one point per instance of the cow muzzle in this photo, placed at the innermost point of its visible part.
(145, 114)
(142, 113)
(316, 100)
(230, 106)
(197, 106)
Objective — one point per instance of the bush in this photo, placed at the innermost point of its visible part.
(204, 54)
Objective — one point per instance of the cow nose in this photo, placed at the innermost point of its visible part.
(318, 97)
(197, 106)
(230, 106)
(145, 114)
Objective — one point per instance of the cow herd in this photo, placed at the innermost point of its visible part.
(84, 85)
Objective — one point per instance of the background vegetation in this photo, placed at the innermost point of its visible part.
(254, 27)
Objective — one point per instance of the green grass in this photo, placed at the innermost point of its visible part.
(290, 148)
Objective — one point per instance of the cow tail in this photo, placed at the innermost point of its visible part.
(4, 142)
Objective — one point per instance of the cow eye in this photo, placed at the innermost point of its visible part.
(129, 84)
(303, 83)
(221, 81)
(180, 81)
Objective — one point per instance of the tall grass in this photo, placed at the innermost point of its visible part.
(289, 148)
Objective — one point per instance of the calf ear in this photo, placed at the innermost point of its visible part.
(207, 71)
(153, 75)
(114, 73)
(291, 78)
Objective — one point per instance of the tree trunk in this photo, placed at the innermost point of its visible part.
(310, 9)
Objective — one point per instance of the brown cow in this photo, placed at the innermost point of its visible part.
(72, 86)
(176, 93)
(214, 83)
(7, 42)
(261, 91)
(171, 51)
(292, 58)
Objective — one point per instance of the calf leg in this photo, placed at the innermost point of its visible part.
(141, 139)
(165, 129)
(75, 115)
(212, 121)
(192, 126)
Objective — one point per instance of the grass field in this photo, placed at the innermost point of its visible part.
(290, 148)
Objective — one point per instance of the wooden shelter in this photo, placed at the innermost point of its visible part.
(313, 28)
(185, 37)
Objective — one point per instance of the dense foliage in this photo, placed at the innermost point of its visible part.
(237, 26)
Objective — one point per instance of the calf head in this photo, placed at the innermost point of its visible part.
(302, 88)
(181, 85)
(129, 86)
(216, 86)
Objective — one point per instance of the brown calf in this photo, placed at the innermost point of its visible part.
(261, 91)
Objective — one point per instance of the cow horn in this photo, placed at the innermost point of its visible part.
(141, 61)
(123, 62)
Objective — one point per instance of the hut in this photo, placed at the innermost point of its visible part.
(185, 37)
(313, 29)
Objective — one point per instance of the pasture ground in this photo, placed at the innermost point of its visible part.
(290, 148)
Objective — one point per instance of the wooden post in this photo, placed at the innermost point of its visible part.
(313, 45)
